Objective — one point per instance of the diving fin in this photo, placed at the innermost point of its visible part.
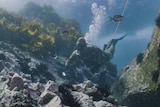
(112, 41)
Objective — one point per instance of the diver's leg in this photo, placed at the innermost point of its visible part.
(122, 37)
(107, 46)
(111, 50)
(116, 40)
(112, 43)
(104, 47)
(112, 46)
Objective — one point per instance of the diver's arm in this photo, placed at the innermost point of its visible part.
(71, 58)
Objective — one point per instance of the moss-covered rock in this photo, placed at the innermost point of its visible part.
(141, 77)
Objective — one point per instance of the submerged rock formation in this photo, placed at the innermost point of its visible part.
(139, 83)
(26, 81)
(51, 94)
(32, 64)
(90, 63)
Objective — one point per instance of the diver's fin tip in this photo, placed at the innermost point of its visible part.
(124, 36)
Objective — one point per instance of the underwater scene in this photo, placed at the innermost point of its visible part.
(79, 53)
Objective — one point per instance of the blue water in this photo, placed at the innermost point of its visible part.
(138, 22)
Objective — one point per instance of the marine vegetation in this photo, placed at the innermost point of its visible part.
(42, 34)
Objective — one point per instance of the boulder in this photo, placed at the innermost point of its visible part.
(2, 56)
(55, 102)
(46, 97)
(51, 86)
(16, 82)
(88, 88)
(97, 92)
(6, 99)
(34, 94)
(82, 99)
(102, 103)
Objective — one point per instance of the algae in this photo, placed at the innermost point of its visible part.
(39, 35)
(148, 67)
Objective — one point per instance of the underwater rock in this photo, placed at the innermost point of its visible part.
(139, 58)
(87, 87)
(67, 97)
(46, 97)
(2, 56)
(51, 86)
(16, 83)
(92, 90)
(155, 76)
(55, 102)
(82, 99)
(1, 66)
(138, 85)
(18, 61)
(50, 93)
(22, 100)
(47, 42)
(34, 89)
(26, 81)
(6, 98)
(103, 104)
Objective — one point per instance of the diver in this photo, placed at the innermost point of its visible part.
(117, 18)
(111, 45)
(91, 55)
(87, 54)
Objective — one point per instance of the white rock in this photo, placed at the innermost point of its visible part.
(102, 103)
(46, 97)
(55, 102)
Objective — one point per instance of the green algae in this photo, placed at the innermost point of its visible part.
(150, 64)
